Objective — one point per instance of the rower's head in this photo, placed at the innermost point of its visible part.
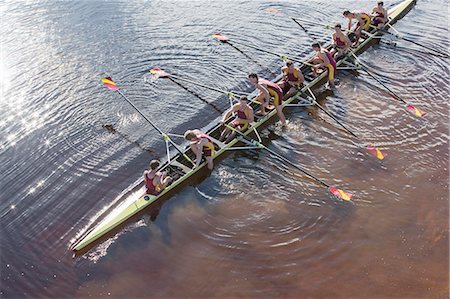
(290, 65)
(346, 13)
(316, 47)
(337, 27)
(154, 164)
(190, 135)
(253, 77)
(380, 4)
(243, 100)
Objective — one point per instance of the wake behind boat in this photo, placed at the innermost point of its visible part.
(181, 167)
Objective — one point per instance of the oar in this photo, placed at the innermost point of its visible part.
(160, 73)
(417, 112)
(398, 35)
(109, 83)
(304, 29)
(225, 39)
(163, 74)
(335, 191)
(112, 130)
(372, 149)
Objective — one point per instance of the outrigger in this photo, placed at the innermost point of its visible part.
(180, 167)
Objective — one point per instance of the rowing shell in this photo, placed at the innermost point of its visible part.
(181, 171)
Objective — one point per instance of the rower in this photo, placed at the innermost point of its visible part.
(292, 80)
(268, 89)
(201, 144)
(341, 42)
(379, 15)
(155, 181)
(363, 22)
(323, 58)
(244, 117)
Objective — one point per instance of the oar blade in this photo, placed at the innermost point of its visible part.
(110, 83)
(376, 152)
(220, 37)
(341, 194)
(157, 72)
(416, 111)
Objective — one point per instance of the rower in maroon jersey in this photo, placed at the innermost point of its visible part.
(341, 42)
(155, 181)
(292, 80)
(244, 117)
(268, 89)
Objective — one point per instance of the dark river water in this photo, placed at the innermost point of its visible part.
(253, 228)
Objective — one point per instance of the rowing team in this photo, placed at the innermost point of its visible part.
(202, 145)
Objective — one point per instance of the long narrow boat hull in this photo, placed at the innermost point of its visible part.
(178, 167)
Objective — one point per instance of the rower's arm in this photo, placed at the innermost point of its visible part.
(347, 41)
(301, 78)
(251, 115)
(228, 113)
(360, 21)
(325, 60)
(198, 157)
(373, 13)
(145, 175)
(350, 23)
(264, 91)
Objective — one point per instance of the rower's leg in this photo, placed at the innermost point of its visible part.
(330, 70)
(224, 134)
(261, 98)
(290, 93)
(194, 148)
(210, 162)
(281, 114)
(230, 137)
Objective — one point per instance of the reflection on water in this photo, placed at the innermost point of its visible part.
(254, 228)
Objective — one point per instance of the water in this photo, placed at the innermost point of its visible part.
(254, 228)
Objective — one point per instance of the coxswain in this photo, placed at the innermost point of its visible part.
(341, 42)
(201, 145)
(324, 59)
(363, 22)
(243, 118)
(155, 181)
(268, 89)
(292, 80)
(379, 15)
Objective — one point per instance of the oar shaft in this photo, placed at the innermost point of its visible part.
(295, 166)
(264, 51)
(197, 83)
(249, 57)
(196, 95)
(334, 118)
(378, 80)
(382, 84)
(304, 29)
(154, 126)
(259, 144)
(139, 111)
(414, 42)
